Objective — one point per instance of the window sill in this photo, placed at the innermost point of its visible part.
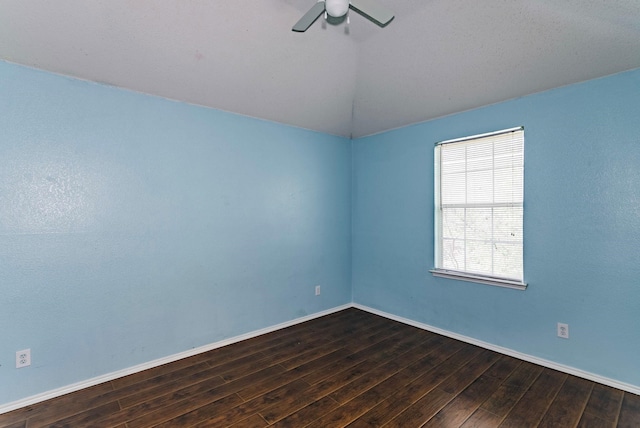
(517, 285)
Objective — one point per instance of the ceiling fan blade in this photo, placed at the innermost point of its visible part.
(373, 10)
(310, 17)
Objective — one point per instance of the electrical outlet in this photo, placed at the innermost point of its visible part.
(563, 330)
(317, 290)
(23, 358)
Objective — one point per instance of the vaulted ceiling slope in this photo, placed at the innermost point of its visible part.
(435, 58)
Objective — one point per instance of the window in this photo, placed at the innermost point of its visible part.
(479, 208)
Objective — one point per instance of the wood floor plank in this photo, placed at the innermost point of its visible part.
(368, 358)
(233, 370)
(57, 408)
(468, 373)
(308, 413)
(589, 420)
(158, 371)
(259, 388)
(604, 403)
(202, 413)
(534, 403)
(352, 408)
(338, 340)
(382, 341)
(358, 405)
(330, 383)
(422, 410)
(209, 376)
(309, 355)
(482, 419)
(161, 379)
(20, 416)
(567, 408)
(374, 353)
(510, 392)
(469, 388)
(383, 371)
(503, 368)
(287, 406)
(323, 363)
(254, 421)
(372, 338)
(244, 410)
(630, 411)
(465, 404)
(350, 368)
(19, 424)
(173, 405)
(85, 419)
(423, 384)
(70, 410)
(304, 349)
(265, 343)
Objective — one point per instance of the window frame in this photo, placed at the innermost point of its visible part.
(465, 275)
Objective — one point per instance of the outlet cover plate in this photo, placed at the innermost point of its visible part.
(23, 358)
(563, 330)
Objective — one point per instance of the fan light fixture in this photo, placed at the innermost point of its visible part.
(337, 8)
(371, 9)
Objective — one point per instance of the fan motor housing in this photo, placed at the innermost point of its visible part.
(336, 8)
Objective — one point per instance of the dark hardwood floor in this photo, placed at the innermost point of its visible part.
(350, 369)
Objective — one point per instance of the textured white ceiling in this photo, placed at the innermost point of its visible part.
(437, 57)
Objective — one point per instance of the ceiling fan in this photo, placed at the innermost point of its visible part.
(338, 8)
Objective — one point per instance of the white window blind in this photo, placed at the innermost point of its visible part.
(479, 183)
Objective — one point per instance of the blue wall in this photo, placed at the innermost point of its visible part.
(582, 228)
(133, 227)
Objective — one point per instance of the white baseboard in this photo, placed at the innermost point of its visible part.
(155, 363)
(634, 389)
(195, 351)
